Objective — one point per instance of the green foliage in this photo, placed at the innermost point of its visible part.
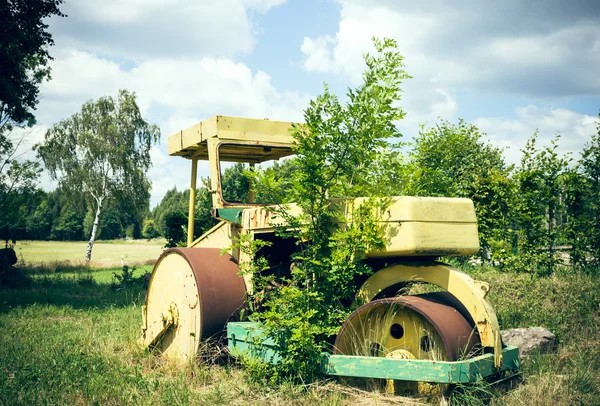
(24, 56)
(203, 219)
(172, 201)
(110, 227)
(17, 183)
(455, 161)
(150, 230)
(127, 279)
(234, 184)
(103, 151)
(337, 152)
(68, 225)
(540, 188)
(39, 215)
(586, 201)
(579, 228)
(174, 229)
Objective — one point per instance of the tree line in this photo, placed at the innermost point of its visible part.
(65, 216)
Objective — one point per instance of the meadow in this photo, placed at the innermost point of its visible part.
(104, 253)
(70, 339)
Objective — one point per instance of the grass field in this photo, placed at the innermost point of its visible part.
(104, 253)
(70, 339)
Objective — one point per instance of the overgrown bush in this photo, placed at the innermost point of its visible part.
(338, 155)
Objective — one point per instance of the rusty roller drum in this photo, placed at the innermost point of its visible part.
(191, 295)
(430, 326)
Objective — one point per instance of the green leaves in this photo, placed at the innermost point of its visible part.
(24, 57)
(102, 151)
(103, 148)
(538, 209)
(582, 199)
(455, 161)
(343, 150)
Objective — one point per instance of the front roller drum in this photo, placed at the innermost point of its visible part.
(192, 294)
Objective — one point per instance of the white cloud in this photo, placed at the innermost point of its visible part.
(174, 94)
(136, 30)
(542, 51)
(575, 130)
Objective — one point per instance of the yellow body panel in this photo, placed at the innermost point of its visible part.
(411, 226)
(428, 226)
(192, 142)
(428, 239)
(220, 236)
(468, 291)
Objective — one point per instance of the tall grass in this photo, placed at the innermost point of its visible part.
(70, 339)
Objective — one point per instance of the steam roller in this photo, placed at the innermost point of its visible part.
(448, 334)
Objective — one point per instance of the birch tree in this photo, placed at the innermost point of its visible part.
(102, 151)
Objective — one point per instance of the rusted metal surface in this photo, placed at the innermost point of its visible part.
(221, 289)
(454, 330)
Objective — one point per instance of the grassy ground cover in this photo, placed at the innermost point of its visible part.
(105, 253)
(70, 338)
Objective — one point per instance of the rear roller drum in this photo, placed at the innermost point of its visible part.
(422, 327)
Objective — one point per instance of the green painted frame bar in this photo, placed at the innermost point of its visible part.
(233, 215)
(468, 370)
(246, 339)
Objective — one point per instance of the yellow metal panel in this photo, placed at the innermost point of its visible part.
(243, 126)
(424, 226)
(220, 236)
(185, 143)
(252, 151)
(174, 143)
(435, 238)
(209, 127)
(173, 285)
(445, 209)
(265, 219)
(191, 136)
(413, 208)
(192, 203)
(469, 292)
(215, 176)
(252, 137)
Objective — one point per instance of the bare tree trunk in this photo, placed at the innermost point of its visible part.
(88, 254)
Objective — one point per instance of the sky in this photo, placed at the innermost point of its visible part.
(510, 67)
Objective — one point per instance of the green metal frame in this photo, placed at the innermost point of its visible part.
(232, 215)
(246, 339)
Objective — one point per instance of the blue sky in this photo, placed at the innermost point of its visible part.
(510, 67)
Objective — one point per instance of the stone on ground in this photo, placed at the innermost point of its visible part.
(529, 339)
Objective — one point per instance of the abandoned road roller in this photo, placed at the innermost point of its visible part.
(448, 335)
